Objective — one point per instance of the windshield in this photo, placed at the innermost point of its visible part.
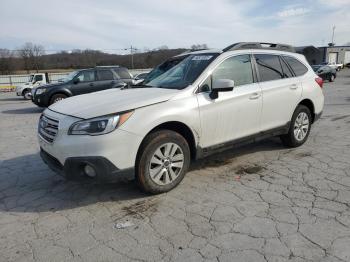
(70, 76)
(31, 78)
(162, 68)
(184, 73)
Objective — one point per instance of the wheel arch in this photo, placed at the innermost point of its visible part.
(309, 104)
(60, 92)
(25, 89)
(178, 127)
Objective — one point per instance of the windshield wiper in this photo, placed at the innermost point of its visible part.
(141, 86)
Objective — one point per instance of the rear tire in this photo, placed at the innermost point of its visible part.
(299, 129)
(56, 98)
(162, 162)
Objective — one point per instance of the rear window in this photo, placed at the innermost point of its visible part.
(269, 67)
(122, 73)
(298, 68)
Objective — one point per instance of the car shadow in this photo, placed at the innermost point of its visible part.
(27, 110)
(13, 99)
(28, 185)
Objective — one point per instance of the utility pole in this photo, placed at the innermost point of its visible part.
(333, 35)
(132, 49)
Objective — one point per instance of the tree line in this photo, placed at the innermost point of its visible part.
(32, 57)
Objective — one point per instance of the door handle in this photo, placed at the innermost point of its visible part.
(254, 96)
(294, 86)
(91, 84)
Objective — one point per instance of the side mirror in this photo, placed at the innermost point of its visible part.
(76, 81)
(221, 85)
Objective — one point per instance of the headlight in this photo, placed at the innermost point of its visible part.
(99, 125)
(39, 91)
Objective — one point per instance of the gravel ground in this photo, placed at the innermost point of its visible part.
(260, 202)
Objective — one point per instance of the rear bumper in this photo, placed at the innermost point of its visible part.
(73, 168)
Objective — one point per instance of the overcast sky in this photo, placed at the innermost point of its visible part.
(116, 24)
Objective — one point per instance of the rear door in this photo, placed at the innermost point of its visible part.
(281, 91)
(105, 79)
(124, 75)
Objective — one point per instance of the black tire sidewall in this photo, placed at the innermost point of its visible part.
(54, 97)
(151, 143)
(24, 94)
(291, 137)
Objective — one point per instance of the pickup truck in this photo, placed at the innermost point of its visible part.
(334, 65)
(35, 80)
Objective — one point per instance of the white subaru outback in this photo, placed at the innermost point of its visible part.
(209, 101)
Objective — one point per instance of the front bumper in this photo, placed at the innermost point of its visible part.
(40, 100)
(111, 155)
(73, 168)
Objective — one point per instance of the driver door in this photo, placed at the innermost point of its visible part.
(234, 114)
(86, 83)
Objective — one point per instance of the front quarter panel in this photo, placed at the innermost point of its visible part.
(184, 110)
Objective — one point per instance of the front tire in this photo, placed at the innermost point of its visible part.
(27, 94)
(56, 98)
(332, 78)
(163, 161)
(299, 129)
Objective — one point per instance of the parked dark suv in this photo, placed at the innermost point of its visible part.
(82, 82)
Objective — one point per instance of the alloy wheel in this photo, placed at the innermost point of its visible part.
(166, 164)
(301, 126)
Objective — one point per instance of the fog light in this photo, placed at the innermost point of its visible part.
(89, 171)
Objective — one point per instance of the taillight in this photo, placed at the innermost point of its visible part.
(319, 81)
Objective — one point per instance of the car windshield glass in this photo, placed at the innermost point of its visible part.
(31, 78)
(70, 76)
(184, 73)
(162, 68)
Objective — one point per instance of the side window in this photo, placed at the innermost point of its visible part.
(38, 78)
(298, 68)
(269, 67)
(86, 76)
(123, 73)
(237, 68)
(286, 71)
(105, 75)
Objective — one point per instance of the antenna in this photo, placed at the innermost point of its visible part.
(333, 36)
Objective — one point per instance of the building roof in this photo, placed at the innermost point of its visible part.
(300, 49)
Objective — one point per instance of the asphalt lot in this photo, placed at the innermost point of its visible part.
(260, 202)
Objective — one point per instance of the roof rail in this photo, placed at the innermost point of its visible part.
(259, 45)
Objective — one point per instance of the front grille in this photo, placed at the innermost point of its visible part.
(48, 128)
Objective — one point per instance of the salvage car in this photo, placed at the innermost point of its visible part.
(210, 101)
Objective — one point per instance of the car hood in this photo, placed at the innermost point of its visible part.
(51, 85)
(111, 101)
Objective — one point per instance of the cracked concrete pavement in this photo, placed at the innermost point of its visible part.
(260, 202)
